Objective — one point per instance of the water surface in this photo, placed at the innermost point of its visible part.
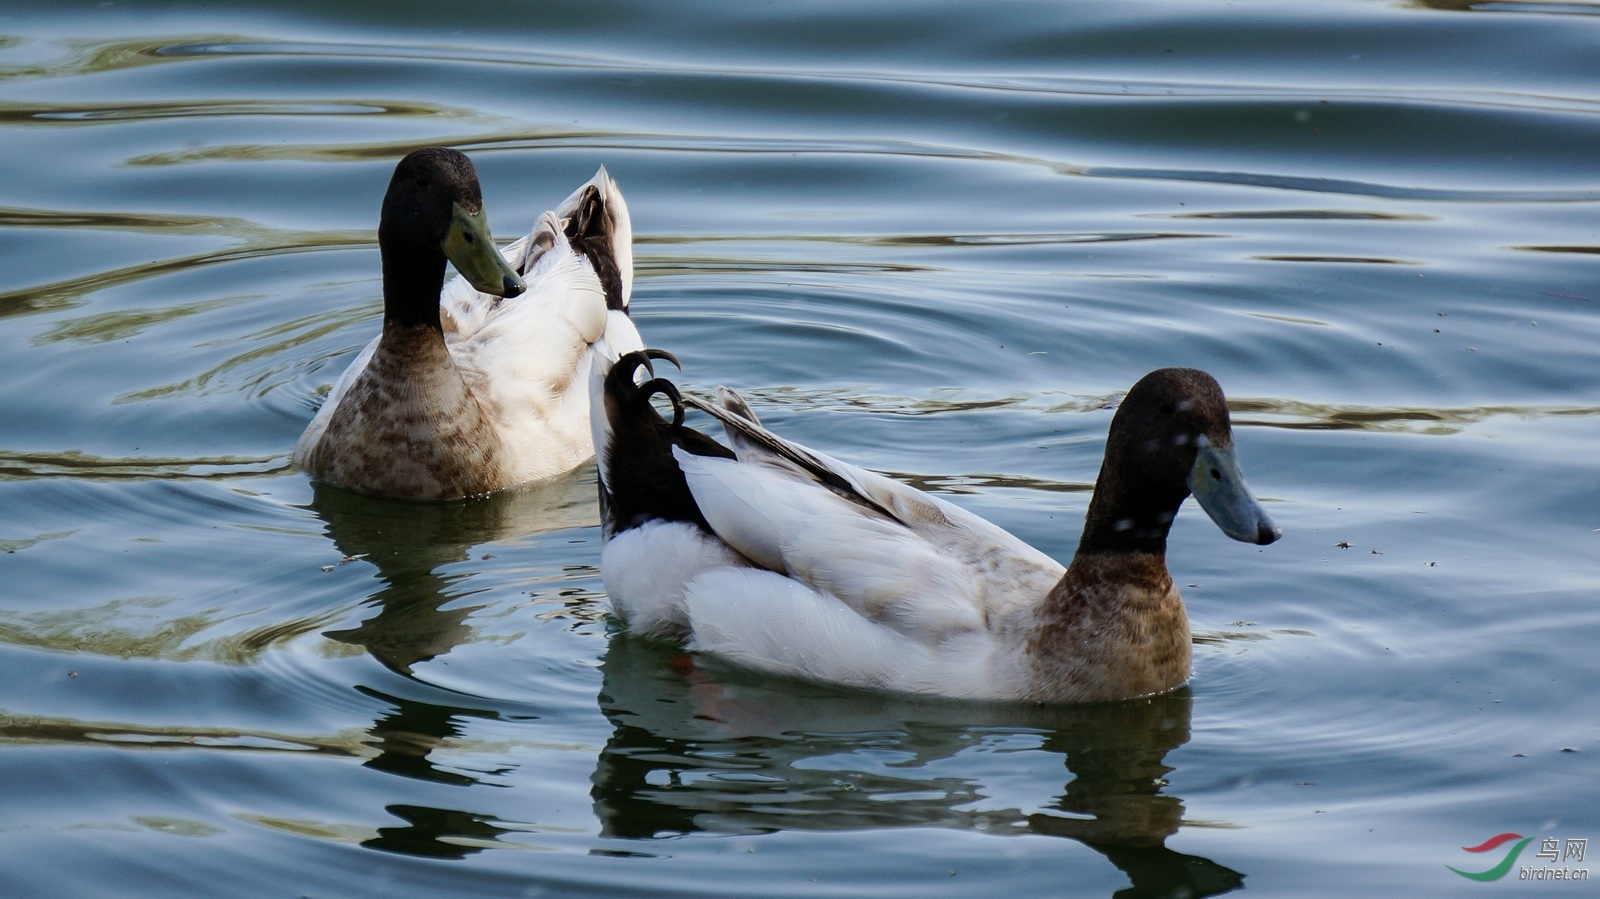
(929, 240)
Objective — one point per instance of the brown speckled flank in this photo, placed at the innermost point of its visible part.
(424, 434)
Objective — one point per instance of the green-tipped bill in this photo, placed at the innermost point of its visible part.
(469, 247)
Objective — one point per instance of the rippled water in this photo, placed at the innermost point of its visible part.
(936, 239)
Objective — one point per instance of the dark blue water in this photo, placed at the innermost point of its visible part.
(934, 239)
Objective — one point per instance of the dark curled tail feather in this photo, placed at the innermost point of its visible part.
(642, 481)
(589, 230)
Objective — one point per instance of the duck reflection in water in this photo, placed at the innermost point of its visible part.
(714, 749)
(411, 544)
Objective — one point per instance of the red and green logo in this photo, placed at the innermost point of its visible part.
(1495, 842)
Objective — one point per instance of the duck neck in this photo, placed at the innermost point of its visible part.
(412, 350)
(1129, 517)
(413, 278)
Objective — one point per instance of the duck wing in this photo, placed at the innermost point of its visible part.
(530, 357)
(970, 538)
(756, 445)
(894, 554)
(800, 529)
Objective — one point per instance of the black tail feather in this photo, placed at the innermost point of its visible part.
(641, 480)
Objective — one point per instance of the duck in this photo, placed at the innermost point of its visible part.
(776, 557)
(481, 384)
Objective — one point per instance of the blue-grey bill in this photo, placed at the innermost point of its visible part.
(1218, 485)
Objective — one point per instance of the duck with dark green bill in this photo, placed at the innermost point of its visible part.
(779, 558)
(482, 384)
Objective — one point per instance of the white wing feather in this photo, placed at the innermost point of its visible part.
(766, 621)
(874, 565)
(1006, 574)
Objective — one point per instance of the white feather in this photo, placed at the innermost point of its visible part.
(763, 620)
(874, 565)
(802, 581)
(1006, 568)
(646, 569)
(766, 621)
(620, 337)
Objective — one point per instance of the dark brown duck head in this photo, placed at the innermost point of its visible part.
(432, 212)
(1170, 438)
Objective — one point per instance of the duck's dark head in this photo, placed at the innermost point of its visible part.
(433, 211)
(1171, 437)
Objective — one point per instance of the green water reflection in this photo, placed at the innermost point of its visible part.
(409, 544)
(693, 751)
(698, 750)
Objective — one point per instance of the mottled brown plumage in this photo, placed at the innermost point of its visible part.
(426, 436)
(467, 391)
(1113, 627)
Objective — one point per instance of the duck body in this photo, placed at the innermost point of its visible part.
(481, 384)
(780, 558)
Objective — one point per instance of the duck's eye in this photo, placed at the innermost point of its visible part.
(1167, 408)
(423, 183)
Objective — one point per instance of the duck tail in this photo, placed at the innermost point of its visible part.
(639, 479)
(595, 219)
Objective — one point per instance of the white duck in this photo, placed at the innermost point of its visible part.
(481, 384)
(779, 558)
